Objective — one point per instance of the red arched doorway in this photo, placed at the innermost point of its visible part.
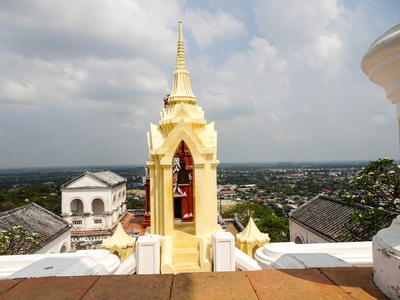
(182, 171)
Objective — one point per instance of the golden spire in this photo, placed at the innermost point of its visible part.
(180, 58)
(181, 89)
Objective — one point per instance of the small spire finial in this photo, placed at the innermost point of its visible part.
(180, 31)
(180, 59)
(181, 89)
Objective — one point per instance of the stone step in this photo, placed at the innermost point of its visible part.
(185, 255)
(186, 268)
(185, 243)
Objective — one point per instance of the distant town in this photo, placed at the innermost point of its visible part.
(286, 185)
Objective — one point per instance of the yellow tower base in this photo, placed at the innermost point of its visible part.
(184, 252)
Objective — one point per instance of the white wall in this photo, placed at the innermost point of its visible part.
(56, 245)
(307, 236)
(112, 209)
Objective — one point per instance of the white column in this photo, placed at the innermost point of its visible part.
(381, 64)
(148, 254)
(87, 221)
(115, 215)
(386, 257)
(223, 247)
(108, 219)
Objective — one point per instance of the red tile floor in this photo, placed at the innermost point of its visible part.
(327, 283)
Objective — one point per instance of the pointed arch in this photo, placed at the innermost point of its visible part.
(64, 248)
(118, 251)
(182, 183)
(298, 240)
(191, 139)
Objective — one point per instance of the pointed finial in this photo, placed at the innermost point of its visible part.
(180, 59)
(181, 89)
(180, 31)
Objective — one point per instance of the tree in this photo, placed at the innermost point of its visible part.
(17, 240)
(377, 187)
(367, 223)
(264, 218)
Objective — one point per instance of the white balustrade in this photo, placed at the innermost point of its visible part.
(223, 247)
(148, 254)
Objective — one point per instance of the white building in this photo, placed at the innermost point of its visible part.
(94, 200)
(324, 220)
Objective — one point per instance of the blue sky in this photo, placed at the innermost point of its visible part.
(80, 81)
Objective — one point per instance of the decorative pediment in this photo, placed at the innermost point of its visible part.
(95, 179)
(86, 181)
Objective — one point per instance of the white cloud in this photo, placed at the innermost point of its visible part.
(305, 33)
(265, 56)
(105, 86)
(101, 28)
(382, 119)
(274, 117)
(18, 96)
(249, 84)
(326, 54)
(295, 23)
(278, 115)
(209, 27)
(274, 75)
(291, 137)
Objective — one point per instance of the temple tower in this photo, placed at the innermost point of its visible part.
(182, 163)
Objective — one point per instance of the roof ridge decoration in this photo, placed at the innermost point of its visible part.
(181, 89)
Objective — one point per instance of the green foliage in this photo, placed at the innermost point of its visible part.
(43, 196)
(264, 218)
(135, 203)
(17, 240)
(377, 187)
(371, 220)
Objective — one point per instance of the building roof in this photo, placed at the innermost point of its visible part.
(35, 219)
(325, 216)
(227, 192)
(107, 177)
(120, 238)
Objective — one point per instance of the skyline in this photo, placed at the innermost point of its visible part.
(80, 85)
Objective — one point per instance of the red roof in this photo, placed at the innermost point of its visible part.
(227, 192)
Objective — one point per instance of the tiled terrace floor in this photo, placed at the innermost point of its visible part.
(328, 283)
